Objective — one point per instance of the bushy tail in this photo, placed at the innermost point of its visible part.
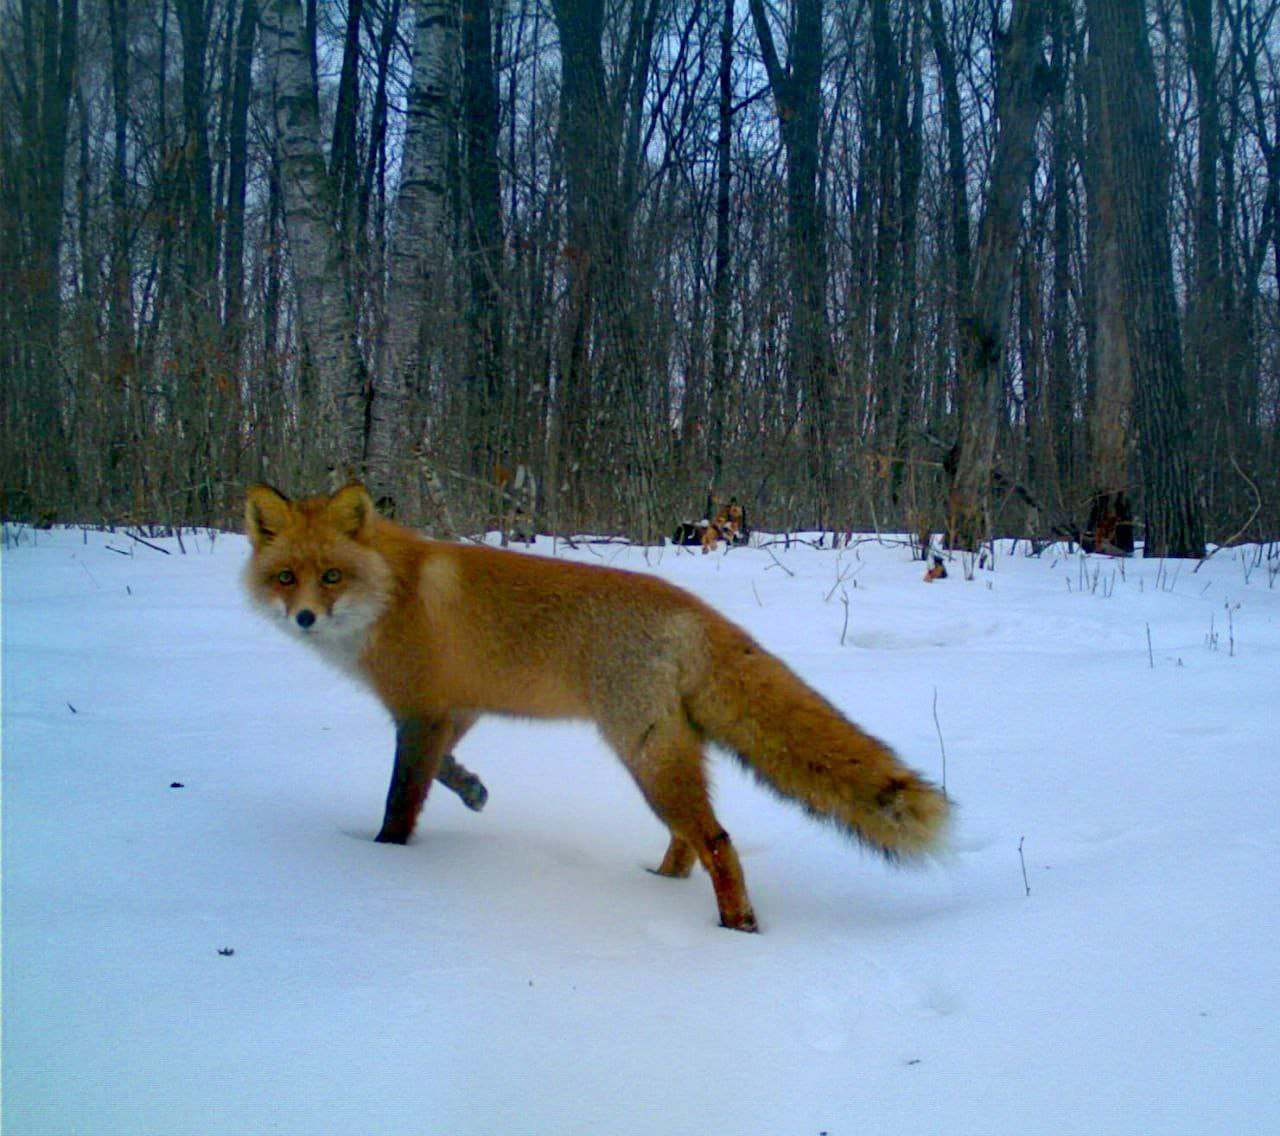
(798, 744)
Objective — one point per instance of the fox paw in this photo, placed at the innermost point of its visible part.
(470, 789)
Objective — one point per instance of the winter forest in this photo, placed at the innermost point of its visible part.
(974, 267)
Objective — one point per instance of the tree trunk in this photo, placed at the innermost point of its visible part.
(587, 140)
(1110, 367)
(956, 175)
(1021, 93)
(121, 370)
(237, 176)
(343, 165)
(722, 273)
(1130, 102)
(417, 293)
(488, 418)
(334, 397)
(1056, 450)
(1206, 312)
(200, 257)
(47, 68)
(797, 94)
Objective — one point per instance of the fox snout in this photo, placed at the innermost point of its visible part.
(311, 618)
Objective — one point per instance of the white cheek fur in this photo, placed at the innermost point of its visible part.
(340, 636)
(271, 606)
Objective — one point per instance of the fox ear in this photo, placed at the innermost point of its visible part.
(352, 509)
(265, 514)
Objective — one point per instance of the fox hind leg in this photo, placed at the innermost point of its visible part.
(679, 860)
(668, 766)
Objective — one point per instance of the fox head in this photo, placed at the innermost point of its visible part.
(312, 568)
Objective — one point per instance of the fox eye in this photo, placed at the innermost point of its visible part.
(331, 576)
(286, 578)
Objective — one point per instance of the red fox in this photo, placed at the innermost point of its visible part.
(443, 633)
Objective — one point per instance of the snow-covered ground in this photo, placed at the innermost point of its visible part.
(1108, 730)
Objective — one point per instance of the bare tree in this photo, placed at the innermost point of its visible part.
(1111, 427)
(488, 424)
(1129, 102)
(722, 272)
(641, 248)
(419, 249)
(333, 390)
(41, 69)
(1022, 89)
(796, 84)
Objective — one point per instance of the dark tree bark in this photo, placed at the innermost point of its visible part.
(1022, 89)
(372, 181)
(797, 94)
(956, 167)
(121, 370)
(200, 252)
(603, 395)
(343, 150)
(585, 143)
(487, 423)
(237, 175)
(897, 98)
(722, 272)
(1129, 101)
(1055, 454)
(1206, 314)
(45, 76)
(1109, 526)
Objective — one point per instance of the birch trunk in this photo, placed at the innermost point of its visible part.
(418, 252)
(333, 386)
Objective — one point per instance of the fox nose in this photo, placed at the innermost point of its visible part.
(306, 617)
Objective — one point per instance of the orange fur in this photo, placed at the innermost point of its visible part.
(446, 632)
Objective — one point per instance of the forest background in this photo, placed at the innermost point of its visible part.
(970, 266)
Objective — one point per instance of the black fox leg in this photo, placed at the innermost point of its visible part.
(420, 746)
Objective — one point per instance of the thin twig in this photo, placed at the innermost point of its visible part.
(777, 561)
(1257, 508)
(941, 744)
(139, 539)
(843, 576)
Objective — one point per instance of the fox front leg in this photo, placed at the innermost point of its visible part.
(421, 744)
(452, 774)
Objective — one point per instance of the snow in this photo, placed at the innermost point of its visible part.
(1107, 725)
